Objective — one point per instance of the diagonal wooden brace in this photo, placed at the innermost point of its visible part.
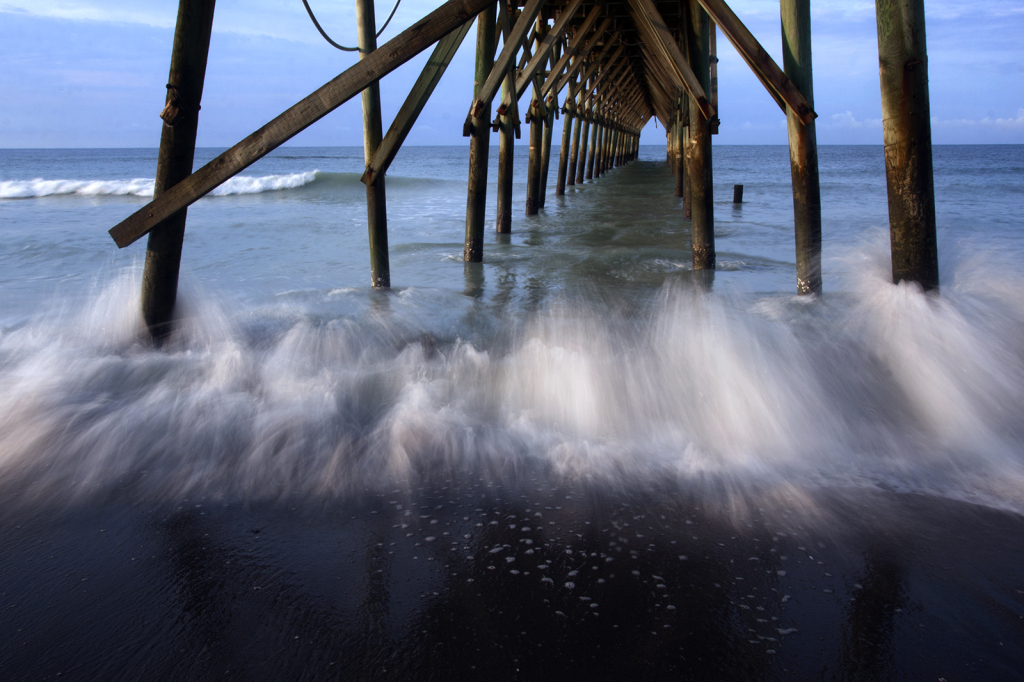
(414, 103)
(517, 36)
(767, 71)
(656, 34)
(308, 111)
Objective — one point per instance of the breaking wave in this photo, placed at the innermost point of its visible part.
(143, 187)
(883, 387)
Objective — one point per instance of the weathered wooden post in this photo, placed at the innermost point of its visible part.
(599, 156)
(574, 154)
(533, 170)
(506, 165)
(737, 194)
(678, 155)
(584, 137)
(602, 152)
(563, 150)
(594, 135)
(698, 146)
(480, 140)
(545, 151)
(609, 146)
(533, 162)
(174, 163)
(803, 147)
(903, 67)
(687, 190)
(373, 133)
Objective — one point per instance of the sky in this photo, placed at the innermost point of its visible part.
(91, 73)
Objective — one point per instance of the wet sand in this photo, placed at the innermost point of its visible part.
(466, 580)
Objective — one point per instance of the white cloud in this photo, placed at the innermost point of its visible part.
(848, 121)
(987, 122)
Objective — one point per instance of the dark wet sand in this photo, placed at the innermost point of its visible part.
(445, 582)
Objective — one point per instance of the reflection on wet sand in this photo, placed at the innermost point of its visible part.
(465, 579)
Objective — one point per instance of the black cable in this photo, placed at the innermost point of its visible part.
(342, 47)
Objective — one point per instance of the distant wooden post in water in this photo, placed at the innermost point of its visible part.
(480, 139)
(803, 147)
(906, 125)
(737, 194)
(174, 163)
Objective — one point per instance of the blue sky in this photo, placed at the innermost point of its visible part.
(91, 73)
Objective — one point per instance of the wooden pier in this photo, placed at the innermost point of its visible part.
(607, 68)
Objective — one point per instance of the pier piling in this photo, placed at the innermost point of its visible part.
(906, 126)
(506, 166)
(564, 148)
(698, 146)
(595, 129)
(574, 154)
(189, 53)
(373, 133)
(534, 162)
(480, 139)
(545, 150)
(581, 168)
(803, 147)
(676, 154)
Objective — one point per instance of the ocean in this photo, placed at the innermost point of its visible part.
(572, 461)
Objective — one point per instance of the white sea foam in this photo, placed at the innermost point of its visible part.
(143, 187)
(886, 389)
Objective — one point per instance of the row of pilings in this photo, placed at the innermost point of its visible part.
(604, 110)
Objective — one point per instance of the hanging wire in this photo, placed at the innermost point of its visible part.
(342, 47)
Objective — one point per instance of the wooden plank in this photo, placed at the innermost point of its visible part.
(572, 50)
(545, 45)
(506, 58)
(596, 63)
(587, 49)
(654, 30)
(759, 60)
(414, 103)
(610, 69)
(297, 118)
